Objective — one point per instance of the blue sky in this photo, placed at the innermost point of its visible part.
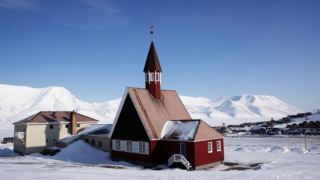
(95, 48)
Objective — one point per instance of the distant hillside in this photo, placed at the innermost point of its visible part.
(17, 102)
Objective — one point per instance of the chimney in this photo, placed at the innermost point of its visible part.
(73, 122)
(54, 115)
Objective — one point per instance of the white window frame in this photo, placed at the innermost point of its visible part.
(118, 145)
(129, 146)
(142, 148)
(157, 77)
(218, 145)
(152, 77)
(139, 147)
(209, 147)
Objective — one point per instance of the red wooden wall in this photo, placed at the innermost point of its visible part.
(203, 157)
(173, 147)
(152, 157)
(160, 152)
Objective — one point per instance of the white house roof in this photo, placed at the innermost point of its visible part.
(180, 130)
(188, 130)
(88, 130)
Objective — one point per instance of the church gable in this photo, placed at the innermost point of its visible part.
(155, 113)
(129, 125)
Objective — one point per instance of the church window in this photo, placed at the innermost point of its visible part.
(209, 147)
(117, 145)
(218, 146)
(129, 146)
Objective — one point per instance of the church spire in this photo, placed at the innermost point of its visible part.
(152, 70)
(152, 62)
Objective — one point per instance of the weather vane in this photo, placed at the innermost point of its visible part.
(151, 32)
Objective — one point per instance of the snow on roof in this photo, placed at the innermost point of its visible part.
(180, 130)
(88, 130)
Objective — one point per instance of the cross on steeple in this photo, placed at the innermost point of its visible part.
(151, 32)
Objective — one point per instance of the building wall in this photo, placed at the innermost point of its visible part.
(156, 151)
(40, 136)
(18, 145)
(82, 125)
(203, 157)
(104, 139)
(173, 147)
(149, 159)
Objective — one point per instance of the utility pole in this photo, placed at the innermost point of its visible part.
(305, 141)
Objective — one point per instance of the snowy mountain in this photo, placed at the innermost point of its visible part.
(17, 102)
(238, 109)
(247, 106)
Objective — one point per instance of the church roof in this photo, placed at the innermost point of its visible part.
(167, 118)
(155, 113)
(152, 62)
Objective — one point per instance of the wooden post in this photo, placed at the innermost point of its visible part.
(305, 141)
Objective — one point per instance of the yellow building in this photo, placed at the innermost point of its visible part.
(42, 130)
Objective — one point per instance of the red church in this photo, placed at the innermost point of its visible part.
(153, 127)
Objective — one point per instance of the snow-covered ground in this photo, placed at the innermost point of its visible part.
(270, 158)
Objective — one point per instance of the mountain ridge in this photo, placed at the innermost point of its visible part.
(17, 102)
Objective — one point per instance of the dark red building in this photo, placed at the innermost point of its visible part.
(153, 127)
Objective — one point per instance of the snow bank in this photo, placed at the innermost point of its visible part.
(6, 151)
(79, 152)
(82, 152)
(242, 149)
(278, 149)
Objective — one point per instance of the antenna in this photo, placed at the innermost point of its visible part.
(151, 32)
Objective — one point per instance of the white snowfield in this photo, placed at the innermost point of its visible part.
(18, 102)
(270, 158)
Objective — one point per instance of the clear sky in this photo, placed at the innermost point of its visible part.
(207, 48)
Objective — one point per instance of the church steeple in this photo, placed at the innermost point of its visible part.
(152, 70)
(152, 62)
